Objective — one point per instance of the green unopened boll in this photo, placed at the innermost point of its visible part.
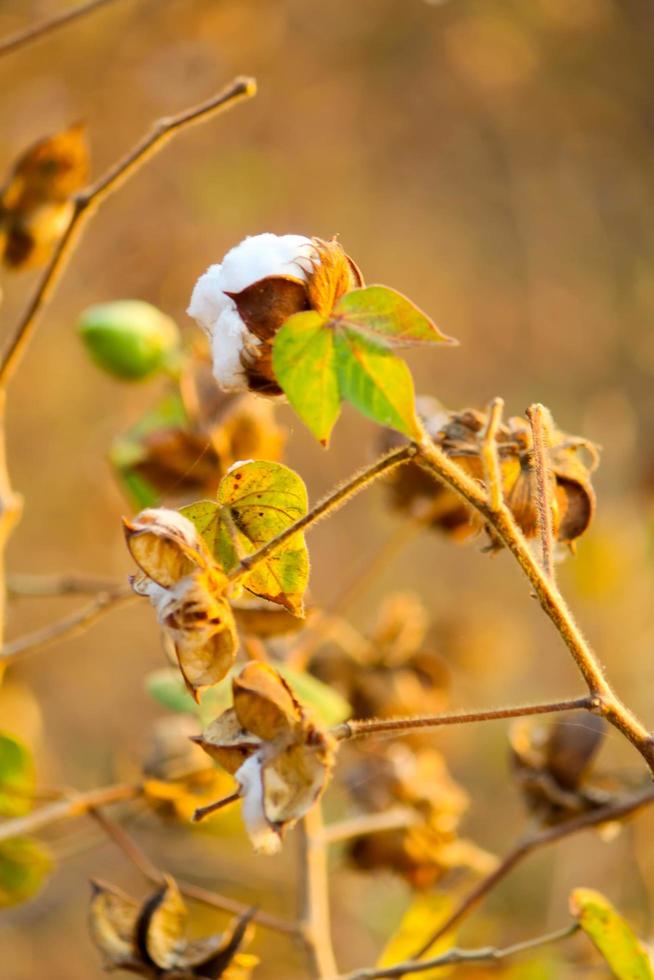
(129, 338)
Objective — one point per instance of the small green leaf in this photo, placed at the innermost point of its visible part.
(256, 502)
(376, 382)
(419, 922)
(24, 864)
(304, 363)
(16, 777)
(327, 703)
(611, 935)
(129, 339)
(388, 317)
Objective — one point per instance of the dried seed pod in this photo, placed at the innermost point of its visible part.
(150, 938)
(279, 756)
(570, 459)
(36, 202)
(551, 765)
(242, 303)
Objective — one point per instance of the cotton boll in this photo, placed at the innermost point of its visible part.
(266, 255)
(264, 839)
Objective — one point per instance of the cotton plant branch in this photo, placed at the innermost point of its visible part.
(377, 726)
(528, 845)
(72, 625)
(22, 38)
(71, 805)
(88, 201)
(453, 957)
(69, 583)
(135, 854)
(498, 516)
(314, 915)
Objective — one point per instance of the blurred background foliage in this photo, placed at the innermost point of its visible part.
(493, 160)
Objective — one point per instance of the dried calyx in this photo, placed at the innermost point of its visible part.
(570, 463)
(553, 766)
(187, 590)
(279, 756)
(242, 302)
(36, 202)
(149, 938)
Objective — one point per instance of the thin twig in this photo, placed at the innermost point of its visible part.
(529, 844)
(335, 499)
(134, 853)
(69, 626)
(537, 415)
(489, 456)
(314, 916)
(73, 805)
(370, 823)
(376, 726)
(453, 956)
(206, 811)
(21, 38)
(90, 199)
(70, 583)
(605, 701)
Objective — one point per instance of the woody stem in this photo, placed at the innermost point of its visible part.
(335, 499)
(604, 700)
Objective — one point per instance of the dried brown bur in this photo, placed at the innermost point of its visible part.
(552, 764)
(265, 305)
(280, 757)
(36, 202)
(149, 938)
(429, 846)
(570, 462)
(187, 590)
(192, 458)
(392, 673)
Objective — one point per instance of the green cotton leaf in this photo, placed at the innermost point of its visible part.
(614, 939)
(376, 382)
(256, 502)
(419, 922)
(304, 362)
(24, 865)
(16, 777)
(386, 316)
(327, 703)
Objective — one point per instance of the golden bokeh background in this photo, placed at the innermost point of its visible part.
(493, 159)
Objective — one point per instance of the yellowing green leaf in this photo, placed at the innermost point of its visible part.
(611, 935)
(384, 315)
(256, 502)
(16, 777)
(24, 864)
(304, 363)
(376, 382)
(419, 922)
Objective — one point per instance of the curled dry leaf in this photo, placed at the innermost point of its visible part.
(280, 757)
(36, 201)
(150, 938)
(552, 765)
(571, 461)
(187, 590)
